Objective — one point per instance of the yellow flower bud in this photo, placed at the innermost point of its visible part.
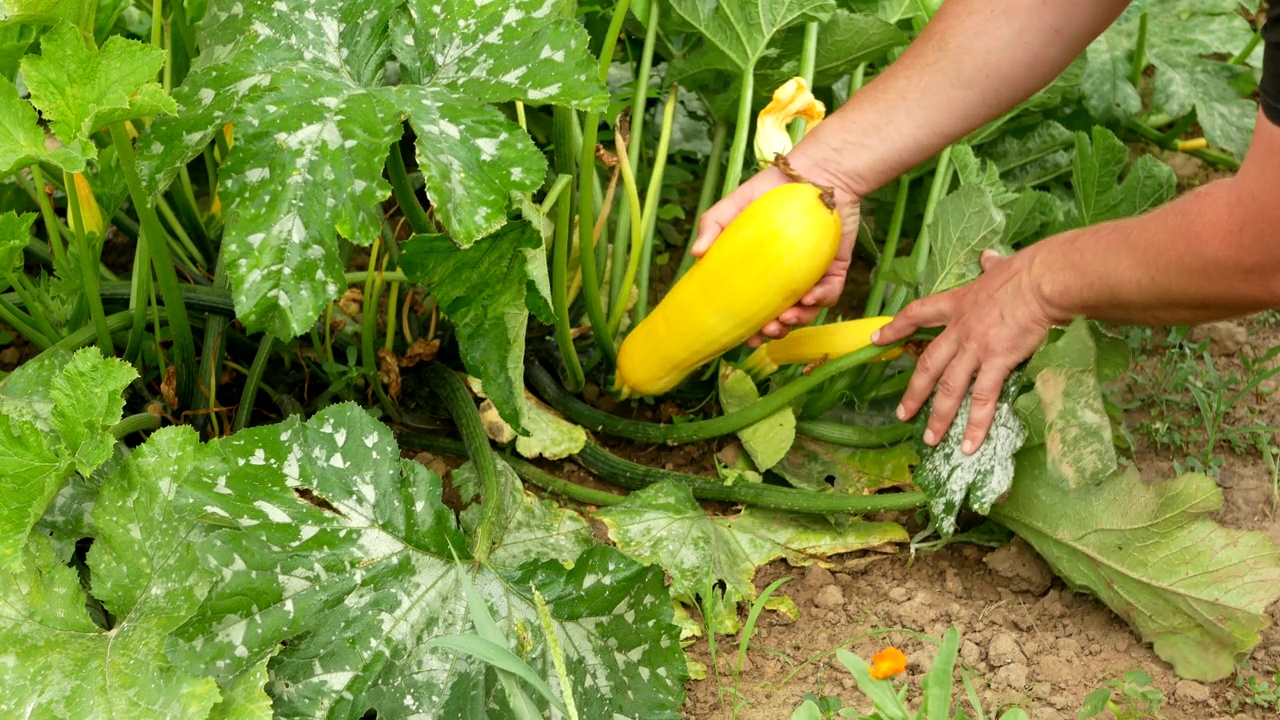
(90, 213)
(790, 101)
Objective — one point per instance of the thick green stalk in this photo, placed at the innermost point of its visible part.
(133, 424)
(598, 420)
(16, 319)
(403, 189)
(1247, 50)
(639, 108)
(875, 302)
(1139, 52)
(369, 330)
(854, 436)
(920, 253)
(253, 379)
(184, 347)
(458, 402)
(618, 302)
(586, 198)
(82, 337)
(88, 271)
(527, 471)
(49, 217)
(708, 194)
(553, 193)
(360, 276)
(212, 352)
(560, 293)
(652, 199)
(741, 132)
(808, 58)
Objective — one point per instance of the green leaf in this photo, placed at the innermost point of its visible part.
(1152, 553)
(664, 525)
(483, 291)
(1029, 214)
(79, 90)
(1032, 158)
(15, 235)
(22, 140)
(967, 222)
(533, 528)
(846, 39)
(1186, 83)
(244, 696)
(348, 552)
(14, 41)
(550, 435)
(971, 170)
(54, 420)
(817, 465)
(1077, 430)
(1100, 193)
(948, 477)
(740, 32)
(1108, 94)
(766, 441)
(145, 568)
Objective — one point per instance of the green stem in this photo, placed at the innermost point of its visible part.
(22, 285)
(88, 270)
(560, 293)
(458, 402)
(212, 353)
(369, 331)
(586, 197)
(16, 319)
(854, 436)
(875, 302)
(652, 199)
(49, 217)
(527, 471)
(133, 424)
(361, 276)
(741, 131)
(598, 420)
(1139, 52)
(1213, 157)
(249, 396)
(403, 189)
(185, 201)
(618, 303)
(193, 254)
(708, 195)
(1170, 137)
(179, 324)
(1248, 49)
(553, 194)
(808, 58)
(82, 337)
(920, 253)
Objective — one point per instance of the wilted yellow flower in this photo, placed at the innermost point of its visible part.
(90, 213)
(790, 101)
(887, 663)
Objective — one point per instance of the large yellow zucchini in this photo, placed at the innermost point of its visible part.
(811, 344)
(768, 258)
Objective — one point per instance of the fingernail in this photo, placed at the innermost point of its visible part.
(966, 447)
(929, 437)
(901, 412)
(875, 336)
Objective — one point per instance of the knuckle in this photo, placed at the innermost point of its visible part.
(948, 386)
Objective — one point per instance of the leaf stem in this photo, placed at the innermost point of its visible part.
(1213, 157)
(403, 189)
(133, 424)
(153, 234)
(808, 58)
(458, 402)
(708, 194)
(252, 381)
(562, 181)
(560, 292)
(88, 262)
(741, 131)
(47, 214)
(1139, 51)
(618, 305)
(17, 319)
(652, 199)
(1247, 50)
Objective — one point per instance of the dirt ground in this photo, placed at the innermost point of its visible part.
(1027, 639)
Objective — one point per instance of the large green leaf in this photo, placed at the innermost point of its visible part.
(1151, 552)
(967, 222)
(664, 525)
(739, 32)
(845, 40)
(55, 417)
(531, 528)
(485, 290)
(145, 569)
(768, 440)
(79, 90)
(948, 477)
(22, 140)
(1108, 94)
(1100, 193)
(345, 550)
(817, 465)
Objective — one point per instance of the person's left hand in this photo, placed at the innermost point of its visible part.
(993, 324)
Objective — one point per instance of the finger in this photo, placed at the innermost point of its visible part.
(990, 259)
(929, 367)
(929, 311)
(798, 315)
(953, 385)
(828, 290)
(982, 403)
(775, 329)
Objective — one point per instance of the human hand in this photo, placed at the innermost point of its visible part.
(993, 324)
(828, 289)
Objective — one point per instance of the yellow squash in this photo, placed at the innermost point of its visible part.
(811, 344)
(768, 257)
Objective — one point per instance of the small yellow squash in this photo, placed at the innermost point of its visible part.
(811, 344)
(767, 258)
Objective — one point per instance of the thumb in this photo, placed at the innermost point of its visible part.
(990, 259)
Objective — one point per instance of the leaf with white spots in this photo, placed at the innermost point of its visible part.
(55, 416)
(300, 83)
(663, 524)
(484, 291)
(144, 567)
(334, 543)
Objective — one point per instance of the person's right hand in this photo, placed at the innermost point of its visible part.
(828, 289)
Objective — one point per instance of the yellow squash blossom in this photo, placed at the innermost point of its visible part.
(790, 101)
(90, 213)
(887, 663)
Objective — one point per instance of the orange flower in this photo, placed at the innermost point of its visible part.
(887, 663)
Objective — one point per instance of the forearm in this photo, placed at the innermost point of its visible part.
(1211, 254)
(975, 60)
